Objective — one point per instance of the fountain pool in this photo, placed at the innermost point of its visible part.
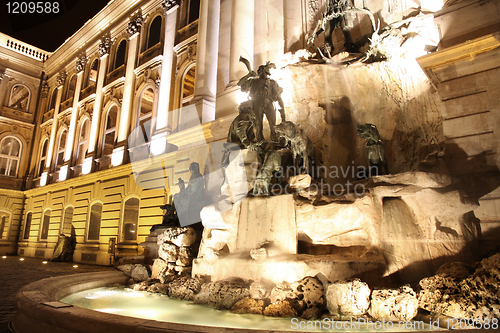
(145, 305)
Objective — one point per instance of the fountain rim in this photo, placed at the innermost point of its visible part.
(34, 316)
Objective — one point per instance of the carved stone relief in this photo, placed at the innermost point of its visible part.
(169, 4)
(135, 25)
(104, 46)
(45, 90)
(61, 78)
(80, 63)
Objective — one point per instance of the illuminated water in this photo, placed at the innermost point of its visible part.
(141, 304)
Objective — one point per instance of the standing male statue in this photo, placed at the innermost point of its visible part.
(334, 17)
(263, 92)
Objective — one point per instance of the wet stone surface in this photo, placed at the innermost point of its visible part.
(15, 274)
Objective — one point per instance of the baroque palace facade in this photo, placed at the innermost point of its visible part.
(146, 79)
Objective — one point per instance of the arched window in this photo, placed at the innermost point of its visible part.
(121, 52)
(70, 91)
(10, 155)
(187, 91)
(43, 157)
(19, 97)
(61, 147)
(83, 142)
(92, 76)
(109, 131)
(44, 231)
(67, 221)
(95, 222)
(3, 222)
(145, 113)
(193, 11)
(53, 98)
(130, 219)
(154, 32)
(27, 226)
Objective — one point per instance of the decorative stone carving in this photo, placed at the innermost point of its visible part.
(135, 25)
(169, 4)
(45, 90)
(104, 46)
(61, 78)
(2, 75)
(157, 84)
(80, 64)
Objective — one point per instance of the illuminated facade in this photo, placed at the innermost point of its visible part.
(72, 120)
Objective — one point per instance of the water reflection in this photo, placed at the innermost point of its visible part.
(140, 304)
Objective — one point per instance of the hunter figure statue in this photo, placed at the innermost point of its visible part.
(263, 92)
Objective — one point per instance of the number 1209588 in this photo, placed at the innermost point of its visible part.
(38, 7)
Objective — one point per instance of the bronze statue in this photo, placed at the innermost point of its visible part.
(301, 146)
(170, 218)
(333, 17)
(276, 163)
(241, 129)
(375, 151)
(263, 92)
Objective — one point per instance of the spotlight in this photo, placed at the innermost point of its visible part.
(75, 266)
(4, 257)
(44, 262)
(22, 259)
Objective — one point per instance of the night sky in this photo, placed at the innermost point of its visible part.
(48, 30)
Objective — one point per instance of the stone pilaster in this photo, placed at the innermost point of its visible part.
(104, 48)
(205, 87)
(242, 38)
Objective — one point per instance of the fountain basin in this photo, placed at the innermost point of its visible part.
(34, 315)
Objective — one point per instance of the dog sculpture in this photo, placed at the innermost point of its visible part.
(276, 163)
(375, 151)
(299, 143)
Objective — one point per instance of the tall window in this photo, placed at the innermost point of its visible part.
(53, 99)
(70, 91)
(61, 147)
(67, 221)
(27, 226)
(154, 32)
(95, 222)
(44, 232)
(188, 86)
(19, 97)
(121, 52)
(130, 219)
(3, 222)
(10, 154)
(83, 142)
(145, 113)
(109, 131)
(93, 72)
(193, 10)
(43, 157)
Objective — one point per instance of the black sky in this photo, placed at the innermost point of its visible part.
(48, 31)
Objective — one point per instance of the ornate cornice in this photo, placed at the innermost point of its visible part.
(169, 4)
(61, 78)
(135, 25)
(104, 46)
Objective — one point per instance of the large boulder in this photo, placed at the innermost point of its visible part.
(280, 309)
(248, 305)
(348, 298)
(184, 288)
(223, 294)
(394, 304)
